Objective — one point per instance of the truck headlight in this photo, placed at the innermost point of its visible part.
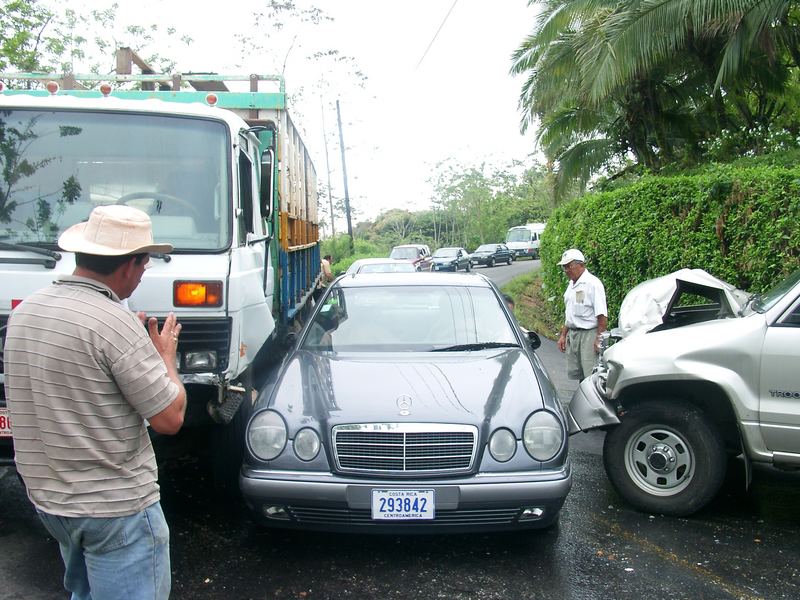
(201, 361)
(306, 444)
(266, 435)
(502, 445)
(543, 435)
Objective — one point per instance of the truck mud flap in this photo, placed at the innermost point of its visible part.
(224, 413)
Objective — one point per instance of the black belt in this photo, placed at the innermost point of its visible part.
(581, 328)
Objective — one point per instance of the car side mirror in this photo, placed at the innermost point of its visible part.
(534, 340)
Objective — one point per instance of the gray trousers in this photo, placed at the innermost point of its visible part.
(581, 356)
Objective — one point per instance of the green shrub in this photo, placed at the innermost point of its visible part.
(738, 223)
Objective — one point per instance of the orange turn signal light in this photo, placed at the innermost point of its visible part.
(197, 293)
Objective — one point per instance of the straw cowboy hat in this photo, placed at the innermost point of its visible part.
(112, 230)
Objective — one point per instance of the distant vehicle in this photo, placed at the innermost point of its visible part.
(419, 254)
(411, 403)
(381, 265)
(451, 259)
(491, 254)
(523, 240)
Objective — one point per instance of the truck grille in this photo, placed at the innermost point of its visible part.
(405, 448)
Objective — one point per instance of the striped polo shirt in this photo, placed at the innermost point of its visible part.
(81, 376)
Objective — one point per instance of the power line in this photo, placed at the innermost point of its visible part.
(435, 35)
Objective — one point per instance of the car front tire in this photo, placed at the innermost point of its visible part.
(490, 263)
(665, 457)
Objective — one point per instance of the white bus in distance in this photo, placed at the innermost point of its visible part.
(523, 240)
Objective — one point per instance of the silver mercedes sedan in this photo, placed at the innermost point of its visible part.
(410, 403)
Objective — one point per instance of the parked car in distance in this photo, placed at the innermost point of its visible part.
(419, 254)
(381, 265)
(450, 259)
(702, 371)
(491, 254)
(410, 403)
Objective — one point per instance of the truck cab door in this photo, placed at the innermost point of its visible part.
(780, 383)
(249, 260)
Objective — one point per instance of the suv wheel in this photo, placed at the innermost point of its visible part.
(665, 457)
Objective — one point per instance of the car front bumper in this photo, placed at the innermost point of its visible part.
(483, 502)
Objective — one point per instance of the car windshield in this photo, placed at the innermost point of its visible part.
(409, 319)
(64, 163)
(767, 300)
(404, 253)
(445, 253)
(486, 248)
(387, 267)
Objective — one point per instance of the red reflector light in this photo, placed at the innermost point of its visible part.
(212, 99)
(15, 303)
(197, 293)
(52, 87)
(105, 89)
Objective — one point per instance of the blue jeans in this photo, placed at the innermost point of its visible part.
(113, 558)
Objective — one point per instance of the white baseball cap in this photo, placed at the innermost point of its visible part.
(570, 255)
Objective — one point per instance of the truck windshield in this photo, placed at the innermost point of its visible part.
(58, 165)
(518, 235)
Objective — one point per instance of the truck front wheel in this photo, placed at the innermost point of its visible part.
(665, 457)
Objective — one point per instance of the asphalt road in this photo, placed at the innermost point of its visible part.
(745, 545)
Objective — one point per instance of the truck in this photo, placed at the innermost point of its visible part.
(523, 240)
(699, 372)
(225, 177)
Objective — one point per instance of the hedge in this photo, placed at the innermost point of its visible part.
(741, 224)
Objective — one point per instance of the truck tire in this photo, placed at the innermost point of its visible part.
(665, 457)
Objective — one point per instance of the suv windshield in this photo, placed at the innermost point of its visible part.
(408, 318)
(771, 297)
(58, 165)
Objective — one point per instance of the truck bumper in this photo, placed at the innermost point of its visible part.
(589, 409)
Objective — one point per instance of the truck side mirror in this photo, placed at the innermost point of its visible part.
(265, 191)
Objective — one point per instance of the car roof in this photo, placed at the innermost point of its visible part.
(420, 279)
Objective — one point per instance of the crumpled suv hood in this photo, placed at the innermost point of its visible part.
(646, 305)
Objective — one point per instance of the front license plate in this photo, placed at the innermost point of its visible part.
(5, 423)
(402, 505)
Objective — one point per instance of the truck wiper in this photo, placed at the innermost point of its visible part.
(34, 249)
(476, 346)
(49, 260)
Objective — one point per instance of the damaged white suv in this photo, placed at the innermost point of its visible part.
(702, 371)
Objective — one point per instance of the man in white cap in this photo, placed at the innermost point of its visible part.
(82, 374)
(586, 315)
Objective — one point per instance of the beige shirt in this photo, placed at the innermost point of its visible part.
(81, 376)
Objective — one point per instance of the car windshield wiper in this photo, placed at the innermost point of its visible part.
(476, 346)
(49, 262)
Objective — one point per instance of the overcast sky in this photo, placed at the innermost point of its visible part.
(419, 106)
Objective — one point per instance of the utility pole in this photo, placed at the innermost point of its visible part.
(327, 168)
(344, 172)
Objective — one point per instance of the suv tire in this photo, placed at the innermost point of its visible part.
(665, 457)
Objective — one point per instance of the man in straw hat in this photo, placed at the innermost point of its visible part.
(82, 374)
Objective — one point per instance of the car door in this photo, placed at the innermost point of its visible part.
(780, 383)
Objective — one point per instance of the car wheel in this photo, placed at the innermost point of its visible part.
(490, 263)
(469, 267)
(665, 457)
(510, 260)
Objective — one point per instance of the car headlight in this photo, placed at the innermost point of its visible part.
(306, 444)
(502, 445)
(543, 435)
(266, 435)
